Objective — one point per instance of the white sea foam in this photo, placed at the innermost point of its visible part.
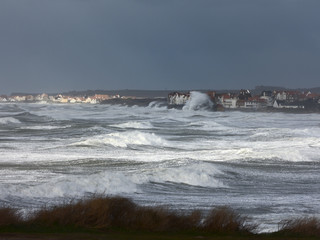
(157, 105)
(30, 154)
(124, 139)
(45, 127)
(283, 150)
(73, 186)
(198, 101)
(291, 150)
(196, 175)
(134, 125)
(112, 182)
(9, 120)
(211, 125)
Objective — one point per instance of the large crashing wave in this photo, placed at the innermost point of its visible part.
(198, 101)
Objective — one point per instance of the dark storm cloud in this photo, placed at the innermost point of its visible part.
(147, 44)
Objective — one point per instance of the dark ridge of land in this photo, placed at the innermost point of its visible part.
(258, 89)
(133, 93)
(120, 218)
(123, 92)
(139, 93)
(164, 93)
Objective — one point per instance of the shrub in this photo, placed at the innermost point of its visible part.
(224, 219)
(9, 216)
(97, 212)
(306, 225)
(118, 212)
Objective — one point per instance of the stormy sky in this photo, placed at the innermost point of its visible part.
(62, 45)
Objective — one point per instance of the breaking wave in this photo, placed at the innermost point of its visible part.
(158, 105)
(45, 127)
(73, 186)
(108, 182)
(9, 120)
(202, 175)
(198, 101)
(134, 125)
(124, 139)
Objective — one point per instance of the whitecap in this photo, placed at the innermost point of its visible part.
(134, 124)
(45, 127)
(75, 186)
(9, 120)
(124, 139)
(200, 175)
(157, 105)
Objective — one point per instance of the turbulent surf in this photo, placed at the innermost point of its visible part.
(264, 165)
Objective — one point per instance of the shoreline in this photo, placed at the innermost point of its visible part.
(144, 102)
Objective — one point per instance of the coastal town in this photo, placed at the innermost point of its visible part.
(277, 99)
(58, 98)
(242, 99)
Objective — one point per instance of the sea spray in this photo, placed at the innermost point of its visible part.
(198, 101)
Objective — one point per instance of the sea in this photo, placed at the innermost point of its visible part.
(264, 165)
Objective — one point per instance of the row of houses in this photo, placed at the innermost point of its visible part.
(97, 98)
(244, 99)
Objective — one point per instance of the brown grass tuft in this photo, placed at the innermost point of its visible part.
(92, 213)
(105, 213)
(224, 219)
(9, 216)
(116, 212)
(161, 219)
(309, 226)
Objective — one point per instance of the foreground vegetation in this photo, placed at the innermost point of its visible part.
(120, 218)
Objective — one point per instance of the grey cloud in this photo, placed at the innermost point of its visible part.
(67, 44)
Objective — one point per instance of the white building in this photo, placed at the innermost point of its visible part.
(178, 98)
(279, 104)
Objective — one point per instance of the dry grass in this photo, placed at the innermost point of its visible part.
(114, 212)
(117, 212)
(9, 216)
(308, 226)
(105, 213)
(161, 219)
(224, 219)
(93, 213)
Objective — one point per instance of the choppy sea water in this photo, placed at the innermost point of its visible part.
(264, 165)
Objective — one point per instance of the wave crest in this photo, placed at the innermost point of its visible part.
(77, 186)
(202, 175)
(124, 139)
(198, 101)
(9, 120)
(135, 125)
